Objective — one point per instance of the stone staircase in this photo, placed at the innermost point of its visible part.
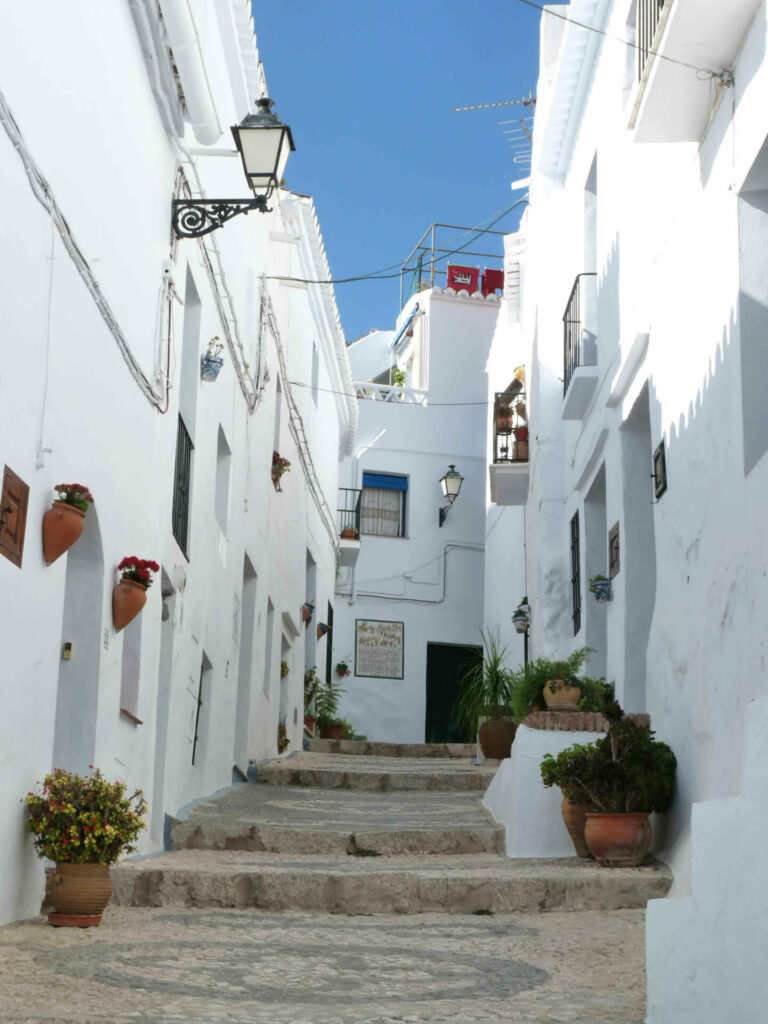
(361, 828)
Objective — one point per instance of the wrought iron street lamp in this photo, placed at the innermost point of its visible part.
(264, 143)
(451, 485)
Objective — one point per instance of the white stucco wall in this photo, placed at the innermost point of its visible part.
(77, 86)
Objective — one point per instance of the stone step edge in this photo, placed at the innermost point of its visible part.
(283, 774)
(366, 748)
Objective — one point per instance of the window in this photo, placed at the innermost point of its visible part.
(221, 494)
(181, 486)
(315, 372)
(575, 574)
(383, 505)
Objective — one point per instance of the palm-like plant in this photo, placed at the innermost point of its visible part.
(485, 689)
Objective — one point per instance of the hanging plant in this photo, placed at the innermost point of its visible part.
(211, 361)
(285, 668)
(65, 519)
(130, 594)
(279, 467)
(342, 669)
(282, 737)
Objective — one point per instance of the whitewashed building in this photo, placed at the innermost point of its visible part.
(410, 611)
(645, 305)
(107, 112)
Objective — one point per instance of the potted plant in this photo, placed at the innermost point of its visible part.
(484, 693)
(211, 361)
(130, 594)
(543, 681)
(311, 683)
(327, 698)
(350, 533)
(504, 419)
(84, 824)
(279, 467)
(521, 618)
(520, 447)
(398, 376)
(619, 780)
(65, 519)
(282, 736)
(342, 668)
(600, 586)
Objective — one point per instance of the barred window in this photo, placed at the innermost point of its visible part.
(382, 510)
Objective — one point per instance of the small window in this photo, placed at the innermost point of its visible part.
(382, 511)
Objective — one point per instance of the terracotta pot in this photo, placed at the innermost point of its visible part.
(521, 433)
(618, 840)
(575, 818)
(79, 892)
(330, 731)
(565, 698)
(309, 721)
(520, 451)
(350, 533)
(128, 598)
(62, 526)
(496, 736)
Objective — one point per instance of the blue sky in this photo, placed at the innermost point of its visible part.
(368, 90)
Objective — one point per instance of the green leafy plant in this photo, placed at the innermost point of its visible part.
(282, 736)
(311, 683)
(596, 694)
(485, 689)
(625, 771)
(327, 702)
(285, 668)
(77, 495)
(527, 683)
(84, 819)
(348, 730)
(342, 668)
(398, 376)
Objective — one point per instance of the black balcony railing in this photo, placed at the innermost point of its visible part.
(573, 347)
(510, 426)
(349, 512)
(648, 17)
(181, 485)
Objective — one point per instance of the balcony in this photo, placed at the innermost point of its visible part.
(509, 470)
(673, 102)
(579, 347)
(348, 517)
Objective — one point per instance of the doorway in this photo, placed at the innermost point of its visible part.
(446, 664)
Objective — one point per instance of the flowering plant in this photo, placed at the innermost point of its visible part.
(279, 464)
(138, 569)
(342, 669)
(84, 819)
(74, 494)
(215, 347)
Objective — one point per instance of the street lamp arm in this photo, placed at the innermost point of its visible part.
(193, 218)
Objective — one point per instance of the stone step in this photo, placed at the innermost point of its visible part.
(373, 774)
(205, 835)
(478, 883)
(366, 749)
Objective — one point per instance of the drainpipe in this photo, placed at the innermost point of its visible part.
(184, 40)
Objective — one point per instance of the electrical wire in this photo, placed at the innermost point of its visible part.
(360, 398)
(378, 275)
(619, 39)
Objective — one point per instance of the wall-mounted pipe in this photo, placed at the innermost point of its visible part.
(184, 40)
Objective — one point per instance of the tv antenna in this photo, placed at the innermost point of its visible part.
(529, 101)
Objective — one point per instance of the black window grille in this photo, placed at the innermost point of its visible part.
(573, 356)
(181, 486)
(575, 574)
(648, 16)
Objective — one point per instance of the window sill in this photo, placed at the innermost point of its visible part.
(383, 536)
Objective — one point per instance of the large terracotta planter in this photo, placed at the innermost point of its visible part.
(309, 722)
(128, 598)
(618, 840)
(329, 731)
(495, 736)
(62, 526)
(565, 698)
(79, 892)
(575, 819)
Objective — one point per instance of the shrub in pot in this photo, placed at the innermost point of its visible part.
(484, 693)
(619, 780)
(543, 681)
(84, 824)
(327, 696)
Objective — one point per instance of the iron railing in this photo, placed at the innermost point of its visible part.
(648, 17)
(510, 426)
(349, 512)
(574, 352)
(425, 264)
(181, 486)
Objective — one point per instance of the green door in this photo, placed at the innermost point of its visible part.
(446, 664)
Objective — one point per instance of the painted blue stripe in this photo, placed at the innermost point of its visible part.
(383, 480)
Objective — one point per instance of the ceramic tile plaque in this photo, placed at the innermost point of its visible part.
(379, 648)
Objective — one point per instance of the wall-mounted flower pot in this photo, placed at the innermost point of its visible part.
(521, 621)
(601, 589)
(62, 526)
(210, 367)
(128, 598)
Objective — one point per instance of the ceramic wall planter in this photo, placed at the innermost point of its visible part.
(495, 737)
(564, 698)
(521, 621)
(128, 598)
(62, 526)
(575, 820)
(618, 840)
(210, 367)
(601, 589)
(79, 894)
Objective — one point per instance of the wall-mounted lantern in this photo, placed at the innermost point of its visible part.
(263, 142)
(451, 485)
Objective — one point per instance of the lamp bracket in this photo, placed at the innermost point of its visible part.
(444, 513)
(193, 218)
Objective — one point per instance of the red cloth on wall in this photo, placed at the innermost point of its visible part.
(463, 278)
(492, 279)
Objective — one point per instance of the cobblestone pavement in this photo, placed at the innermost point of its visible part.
(214, 966)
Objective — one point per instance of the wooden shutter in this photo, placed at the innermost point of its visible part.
(13, 516)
